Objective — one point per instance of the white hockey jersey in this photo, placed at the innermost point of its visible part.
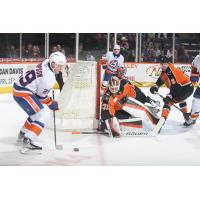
(39, 80)
(114, 62)
(196, 63)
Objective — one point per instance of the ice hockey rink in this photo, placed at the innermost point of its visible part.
(175, 145)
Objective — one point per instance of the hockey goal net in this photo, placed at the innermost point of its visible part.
(79, 99)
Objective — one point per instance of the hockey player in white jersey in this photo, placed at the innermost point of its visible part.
(31, 94)
(114, 65)
(195, 74)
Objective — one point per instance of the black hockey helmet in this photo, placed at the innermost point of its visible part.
(164, 59)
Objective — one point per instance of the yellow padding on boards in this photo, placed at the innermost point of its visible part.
(9, 89)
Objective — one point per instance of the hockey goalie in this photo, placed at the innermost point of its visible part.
(125, 109)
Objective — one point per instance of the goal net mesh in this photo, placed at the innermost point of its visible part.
(78, 99)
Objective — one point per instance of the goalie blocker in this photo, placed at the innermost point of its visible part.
(123, 110)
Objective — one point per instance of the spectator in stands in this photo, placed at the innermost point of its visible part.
(162, 35)
(157, 54)
(13, 52)
(90, 57)
(150, 43)
(151, 35)
(185, 58)
(59, 48)
(132, 41)
(151, 55)
(124, 43)
(180, 52)
(145, 54)
(35, 52)
(124, 48)
(175, 56)
(63, 50)
(169, 53)
(28, 51)
(132, 56)
(53, 49)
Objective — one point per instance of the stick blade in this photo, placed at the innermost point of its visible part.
(59, 147)
(159, 126)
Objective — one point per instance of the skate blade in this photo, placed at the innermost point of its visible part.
(27, 151)
(187, 127)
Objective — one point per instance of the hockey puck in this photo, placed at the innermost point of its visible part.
(76, 149)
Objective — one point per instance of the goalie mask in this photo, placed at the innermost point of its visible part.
(57, 60)
(114, 84)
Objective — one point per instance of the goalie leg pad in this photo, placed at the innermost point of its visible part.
(113, 127)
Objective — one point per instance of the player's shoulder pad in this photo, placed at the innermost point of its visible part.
(124, 82)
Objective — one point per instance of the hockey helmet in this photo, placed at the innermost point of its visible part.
(116, 47)
(164, 59)
(58, 59)
(114, 84)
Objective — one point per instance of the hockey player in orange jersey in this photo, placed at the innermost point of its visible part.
(115, 98)
(179, 84)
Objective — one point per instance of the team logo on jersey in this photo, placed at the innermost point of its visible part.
(113, 64)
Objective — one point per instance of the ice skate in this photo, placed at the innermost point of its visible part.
(20, 137)
(186, 116)
(30, 147)
(189, 122)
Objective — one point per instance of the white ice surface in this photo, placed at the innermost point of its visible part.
(174, 146)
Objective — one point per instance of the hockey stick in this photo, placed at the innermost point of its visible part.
(142, 84)
(57, 146)
(186, 115)
(127, 133)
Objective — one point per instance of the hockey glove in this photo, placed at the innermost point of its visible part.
(121, 72)
(154, 89)
(107, 71)
(168, 100)
(104, 66)
(54, 105)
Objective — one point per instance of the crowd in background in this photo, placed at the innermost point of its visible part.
(28, 51)
(92, 46)
(153, 46)
(62, 49)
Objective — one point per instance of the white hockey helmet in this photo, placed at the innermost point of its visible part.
(116, 47)
(58, 58)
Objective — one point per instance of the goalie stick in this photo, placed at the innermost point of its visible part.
(152, 133)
